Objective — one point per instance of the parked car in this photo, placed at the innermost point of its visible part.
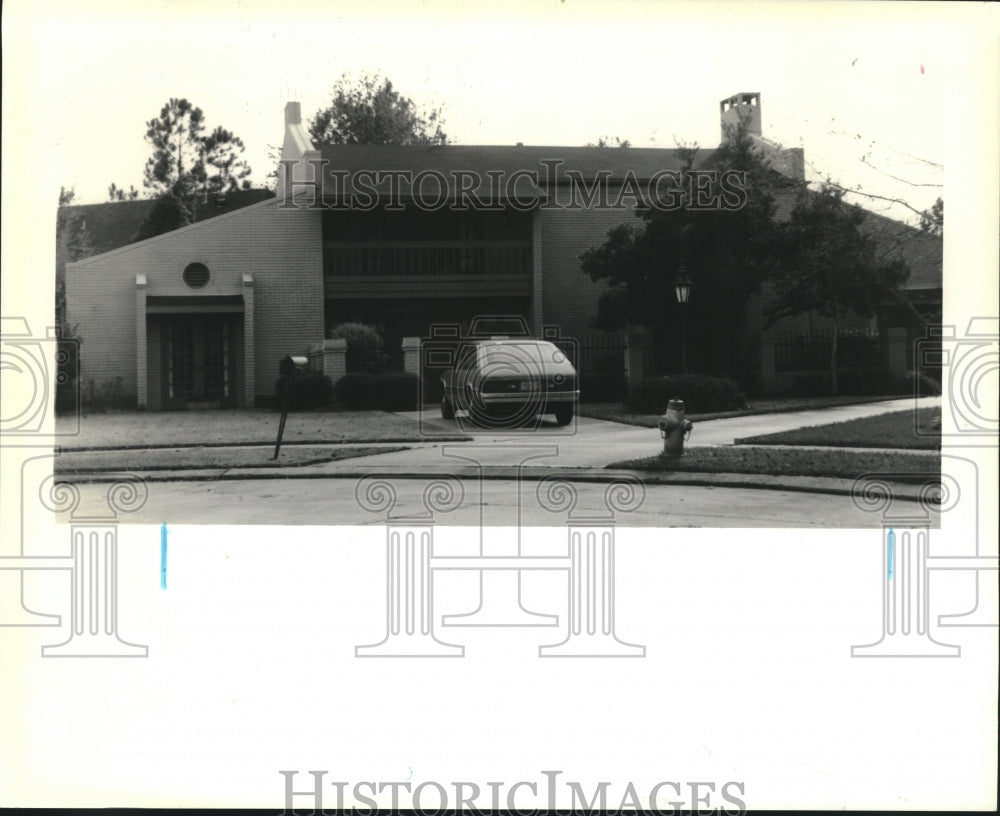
(510, 381)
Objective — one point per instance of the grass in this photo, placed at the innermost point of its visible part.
(831, 463)
(615, 412)
(174, 429)
(895, 430)
(208, 458)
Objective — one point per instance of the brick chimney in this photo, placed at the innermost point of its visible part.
(742, 107)
(296, 147)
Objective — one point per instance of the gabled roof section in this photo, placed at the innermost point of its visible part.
(924, 253)
(269, 201)
(113, 224)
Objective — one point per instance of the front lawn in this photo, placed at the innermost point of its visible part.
(207, 458)
(174, 429)
(833, 463)
(900, 429)
(615, 412)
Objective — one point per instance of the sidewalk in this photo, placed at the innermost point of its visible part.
(579, 453)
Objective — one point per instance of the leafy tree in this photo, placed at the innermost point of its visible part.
(932, 220)
(835, 267)
(274, 157)
(176, 137)
(372, 111)
(81, 243)
(168, 213)
(116, 193)
(186, 162)
(605, 141)
(73, 242)
(726, 252)
(221, 153)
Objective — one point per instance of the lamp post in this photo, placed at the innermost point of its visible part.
(682, 288)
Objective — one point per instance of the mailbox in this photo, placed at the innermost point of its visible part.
(291, 365)
(289, 368)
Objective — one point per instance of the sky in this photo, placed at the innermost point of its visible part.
(859, 86)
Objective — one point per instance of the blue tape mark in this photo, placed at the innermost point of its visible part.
(892, 550)
(163, 556)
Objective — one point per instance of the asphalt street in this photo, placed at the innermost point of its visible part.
(332, 502)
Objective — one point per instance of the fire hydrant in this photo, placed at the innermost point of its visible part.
(674, 428)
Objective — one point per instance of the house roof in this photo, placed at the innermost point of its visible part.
(113, 224)
(507, 163)
(923, 253)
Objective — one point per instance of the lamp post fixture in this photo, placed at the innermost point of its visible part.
(682, 288)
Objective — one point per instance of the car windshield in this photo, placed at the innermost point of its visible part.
(540, 356)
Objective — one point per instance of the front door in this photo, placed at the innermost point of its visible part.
(199, 366)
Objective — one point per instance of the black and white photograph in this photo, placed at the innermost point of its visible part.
(341, 337)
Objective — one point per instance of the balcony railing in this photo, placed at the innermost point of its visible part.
(395, 259)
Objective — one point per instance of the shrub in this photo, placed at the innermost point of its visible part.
(354, 390)
(749, 383)
(918, 384)
(109, 396)
(871, 381)
(305, 391)
(700, 393)
(811, 384)
(864, 382)
(67, 386)
(364, 347)
(603, 387)
(396, 391)
(390, 391)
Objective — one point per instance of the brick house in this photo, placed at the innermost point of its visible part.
(401, 237)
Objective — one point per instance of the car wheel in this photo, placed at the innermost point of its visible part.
(564, 414)
(447, 409)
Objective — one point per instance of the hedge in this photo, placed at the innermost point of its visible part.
(607, 387)
(364, 347)
(305, 391)
(875, 381)
(390, 391)
(700, 393)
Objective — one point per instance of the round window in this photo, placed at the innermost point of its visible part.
(196, 275)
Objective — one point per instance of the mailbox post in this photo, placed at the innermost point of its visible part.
(288, 369)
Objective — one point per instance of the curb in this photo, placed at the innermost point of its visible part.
(800, 484)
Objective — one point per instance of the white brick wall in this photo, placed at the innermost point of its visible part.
(281, 248)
